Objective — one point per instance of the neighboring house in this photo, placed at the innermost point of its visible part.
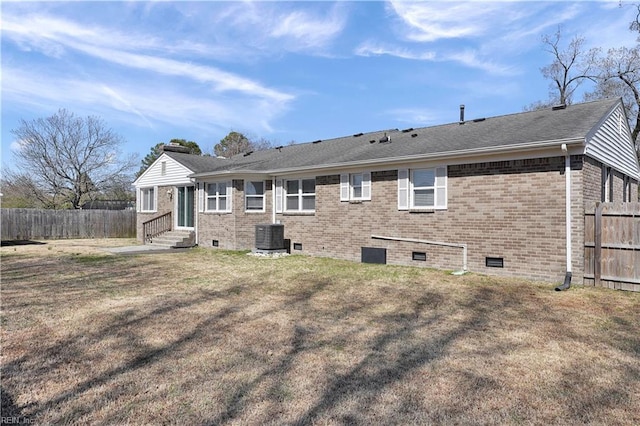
(510, 189)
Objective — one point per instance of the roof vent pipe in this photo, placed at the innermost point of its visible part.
(462, 114)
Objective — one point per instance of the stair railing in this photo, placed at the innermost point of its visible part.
(156, 226)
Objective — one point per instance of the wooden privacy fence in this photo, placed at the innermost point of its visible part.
(38, 224)
(612, 245)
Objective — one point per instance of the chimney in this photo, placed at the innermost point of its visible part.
(462, 114)
(176, 147)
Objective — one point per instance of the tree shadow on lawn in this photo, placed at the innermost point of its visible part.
(380, 368)
(47, 361)
(419, 333)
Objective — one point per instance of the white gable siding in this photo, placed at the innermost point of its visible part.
(611, 144)
(175, 174)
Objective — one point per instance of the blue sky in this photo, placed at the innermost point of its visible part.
(283, 71)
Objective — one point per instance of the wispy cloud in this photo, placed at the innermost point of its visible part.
(146, 104)
(471, 59)
(142, 91)
(468, 57)
(307, 30)
(415, 116)
(377, 49)
(67, 35)
(431, 21)
(267, 28)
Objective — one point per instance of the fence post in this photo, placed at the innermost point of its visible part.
(597, 239)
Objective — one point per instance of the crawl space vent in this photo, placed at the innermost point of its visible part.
(494, 262)
(419, 255)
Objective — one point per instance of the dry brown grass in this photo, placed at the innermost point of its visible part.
(211, 337)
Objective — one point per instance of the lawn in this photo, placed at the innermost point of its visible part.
(215, 337)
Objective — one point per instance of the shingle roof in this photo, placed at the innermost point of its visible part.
(197, 163)
(534, 128)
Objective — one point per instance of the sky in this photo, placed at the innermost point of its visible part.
(283, 71)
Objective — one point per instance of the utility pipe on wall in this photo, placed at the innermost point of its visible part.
(567, 208)
(435, 243)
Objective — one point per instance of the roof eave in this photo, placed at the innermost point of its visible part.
(446, 155)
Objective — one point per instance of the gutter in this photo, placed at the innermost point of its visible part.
(567, 220)
(529, 146)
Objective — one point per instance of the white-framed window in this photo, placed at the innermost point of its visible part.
(626, 189)
(299, 195)
(422, 189)
(218, 197)
(254, 196)
(355, 186)
(607, 184)
(148, 199)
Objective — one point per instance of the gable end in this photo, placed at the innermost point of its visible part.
(164, 171)
(610, 143)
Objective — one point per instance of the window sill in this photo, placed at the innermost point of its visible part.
(427, 210)
(255, 211)
(299, 213)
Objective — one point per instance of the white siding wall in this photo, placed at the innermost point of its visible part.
(612, 145)
(175, 174)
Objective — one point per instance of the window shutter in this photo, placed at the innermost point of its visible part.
(278, 195)
(229, 196)
(344, 187)
(155, 199)
(441, 187)
(403, 189)
(201, 190)
(138, 199)
(366, 185)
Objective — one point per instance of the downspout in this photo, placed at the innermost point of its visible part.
(273, 200)
(195, 223)
(567, 208)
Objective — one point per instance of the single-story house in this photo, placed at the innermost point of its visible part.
(499, 195)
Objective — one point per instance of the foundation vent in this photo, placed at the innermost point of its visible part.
(494, 262)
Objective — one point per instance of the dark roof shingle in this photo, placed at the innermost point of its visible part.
(534, 127)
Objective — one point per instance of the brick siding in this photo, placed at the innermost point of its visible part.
(164, 205)
(514, 210)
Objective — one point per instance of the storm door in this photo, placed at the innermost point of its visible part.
(185, 206)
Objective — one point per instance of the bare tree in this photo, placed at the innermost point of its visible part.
(619, 76)
(19, 191)
(67, 160)
(570, 67)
